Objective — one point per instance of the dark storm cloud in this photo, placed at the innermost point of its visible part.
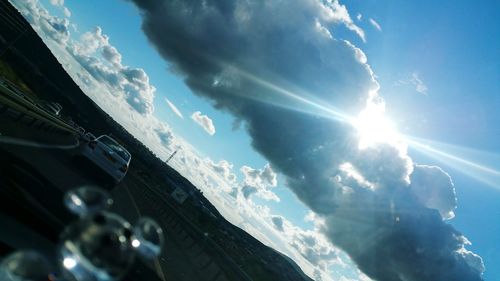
(259, 38)
(228, 51)
(434, 189)
(409, 243)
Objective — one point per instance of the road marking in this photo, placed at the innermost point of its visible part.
(159, 270)
(133, 200)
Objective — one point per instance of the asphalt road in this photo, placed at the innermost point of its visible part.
(60, 171)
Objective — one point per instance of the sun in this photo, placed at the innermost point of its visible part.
(374, 127)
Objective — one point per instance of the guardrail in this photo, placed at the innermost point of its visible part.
(25, 106)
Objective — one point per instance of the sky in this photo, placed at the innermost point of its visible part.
(357, 137)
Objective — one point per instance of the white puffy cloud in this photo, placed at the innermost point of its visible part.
(104, 62)
(57, 2)
(204, 121)
(58, 28)
(165, 134)
(112, 55)
(259, 182)
(60, 4)
(54, 27)
(90, 42)
(311, 244)
(223, 168)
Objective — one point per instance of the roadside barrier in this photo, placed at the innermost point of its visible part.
(24, 107)
(23, 142)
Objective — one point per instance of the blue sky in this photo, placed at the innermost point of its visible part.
(227, 141)
(453, 47)
(438, 68)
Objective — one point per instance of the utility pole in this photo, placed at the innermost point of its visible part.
(171, 156)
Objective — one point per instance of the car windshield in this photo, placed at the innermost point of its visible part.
(124, 154)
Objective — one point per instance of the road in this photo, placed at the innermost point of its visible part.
(62, 173)
(39, 162)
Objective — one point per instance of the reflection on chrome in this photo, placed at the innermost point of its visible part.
(148, 238)
(99, 246)
(87, 200)
(24, 266)
(96, 247)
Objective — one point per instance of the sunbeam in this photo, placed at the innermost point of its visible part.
(442, 153)
(374, 128)
(318, 108)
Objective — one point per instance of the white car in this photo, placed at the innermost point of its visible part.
(108, 155)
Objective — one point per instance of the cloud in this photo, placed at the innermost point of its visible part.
(57, 2)
(278, 223)
(112, 55)
(419, 84)
(54, 27)
(434, 189)
(415, 80)
(165, 134)
(204, 121)
(311, 244)
(223, 168)
(375, 24)
(60, 4)
(91, 41)
(66, 12)
(239, 54)
(59, 28)
(104, 62)
(370, 209)
(174, 108)
(336, 12)
(259, 182)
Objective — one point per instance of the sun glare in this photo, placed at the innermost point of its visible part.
(374, 127)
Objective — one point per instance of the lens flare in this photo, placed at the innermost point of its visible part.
(69, 263)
